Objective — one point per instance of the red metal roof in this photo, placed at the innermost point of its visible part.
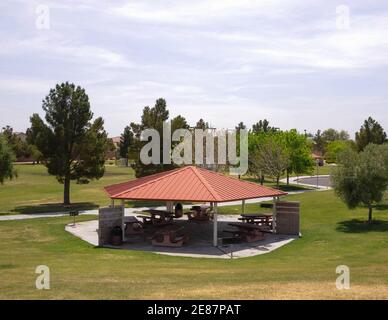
(190, 183)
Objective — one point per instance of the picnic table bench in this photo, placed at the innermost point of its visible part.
(200, 213)
(133, 226)
(246, 231)
(158, 217)
(170, 236)
(258, 219)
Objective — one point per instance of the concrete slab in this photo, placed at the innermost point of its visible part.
(199, 246)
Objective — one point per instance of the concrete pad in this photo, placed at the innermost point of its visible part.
(199, 245)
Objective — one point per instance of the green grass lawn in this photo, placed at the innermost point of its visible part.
(35, 191)
(305, 268)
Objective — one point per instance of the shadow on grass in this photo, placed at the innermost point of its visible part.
(381, 207)
(362, 226)
(54, 207)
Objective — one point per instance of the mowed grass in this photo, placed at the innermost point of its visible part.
(35, 191)
(305, 268)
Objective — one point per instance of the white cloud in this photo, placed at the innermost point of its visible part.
(187, 13)
(224, 61)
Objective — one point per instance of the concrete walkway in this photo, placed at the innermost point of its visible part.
(311, 181)
(199, 245)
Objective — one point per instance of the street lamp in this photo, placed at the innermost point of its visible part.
(317, 163)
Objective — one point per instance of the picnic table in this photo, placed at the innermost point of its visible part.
(157, 217)
(133, 226)
(262, 219)
(246, 231)
(200, 213)
(169, 237)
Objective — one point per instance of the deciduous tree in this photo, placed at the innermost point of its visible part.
(362, 178)
(7, 158)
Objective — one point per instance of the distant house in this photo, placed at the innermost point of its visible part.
(24, 157)
(318, 157)
(22, 136)
(116, 141)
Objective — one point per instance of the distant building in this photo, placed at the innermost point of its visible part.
(317, 156)
(111, 154)
(116, 141)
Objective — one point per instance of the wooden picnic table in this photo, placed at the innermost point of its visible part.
(246, 231)
(200, 213)
(262, 219)
(133, 226)
(200, 207)
(168, 237)
(244, 225)
(158, 217)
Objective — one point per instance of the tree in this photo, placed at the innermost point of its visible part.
(370, 132)
(319, 142)
(334, 148)
(34, 136)
(152, 118)
(126, 141)
(270, 158)
(299, 152)
(201, 124)
(179, 122)
(72, 145)
(263, 126)
(240, 126)
(332, 135)
(7, 158)
(362, 178)
(19, 146)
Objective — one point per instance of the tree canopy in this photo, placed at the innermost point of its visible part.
(270, 157)
(126, 142)
(299, 152)
(334, 148)
(362, 178)
(7, 158)
(72, 146)
(263, 126)
(370, 132)
(153, 118)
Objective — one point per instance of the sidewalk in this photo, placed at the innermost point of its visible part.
(294, 180)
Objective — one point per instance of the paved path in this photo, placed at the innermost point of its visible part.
(199, 246)
(324, 182)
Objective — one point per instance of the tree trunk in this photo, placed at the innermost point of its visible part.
(370, 214)
(262, 179)
(288, 177)
(66, 191)
(277, 181)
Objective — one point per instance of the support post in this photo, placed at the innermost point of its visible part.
(275, 199)
(122, 221)
(170, 206)
(243, 206)
(215, 226)
(112, 203)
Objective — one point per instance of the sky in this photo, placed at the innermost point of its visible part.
(301, 64)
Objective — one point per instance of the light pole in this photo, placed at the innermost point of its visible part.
(317, 163)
